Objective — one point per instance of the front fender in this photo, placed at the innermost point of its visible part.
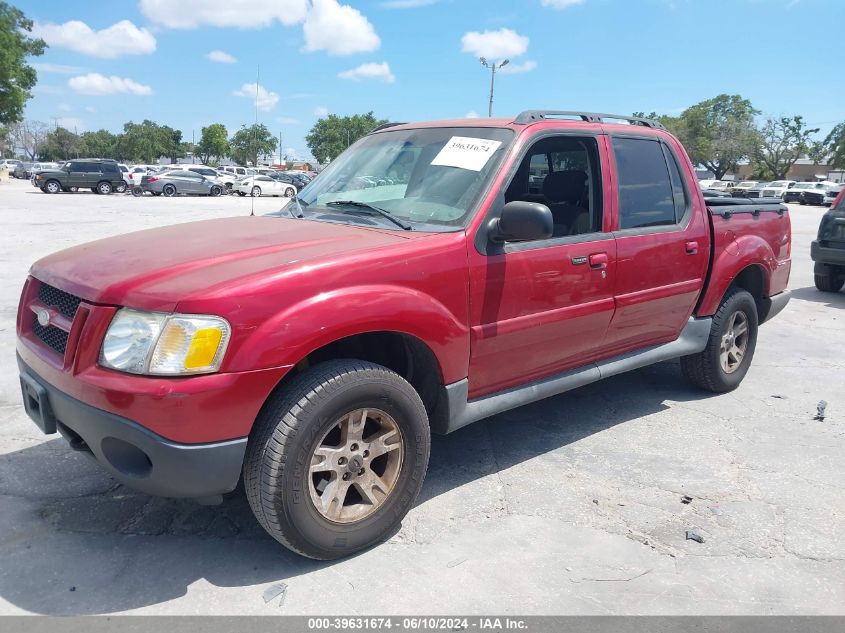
(730, 259)
(299, 329)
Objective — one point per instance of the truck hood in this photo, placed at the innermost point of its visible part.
(157, 268)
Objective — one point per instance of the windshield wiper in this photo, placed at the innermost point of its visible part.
(369, 207)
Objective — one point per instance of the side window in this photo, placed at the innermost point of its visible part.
(678, 194)
(563, 173)
(646, 197)
(109, 168)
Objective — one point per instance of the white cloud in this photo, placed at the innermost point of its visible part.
(123, 38)
(370, 71)
(407, 4)
(338, 29)
(265, 99)
(59, 69)
(90, 109)
(286, 120)
(561, 4)
(321, 111)
(221, 57)
(64, 107)
(494, 44)
(99, 85)
(242, 14)
(524, 67)
(70, 123)
(472, 114)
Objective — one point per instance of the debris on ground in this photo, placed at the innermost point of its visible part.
(820, 409)
(277, 590)
(694, 535)
(686, 500)
(596, 501)
(456, 562)
(72, 588)
(778, 396)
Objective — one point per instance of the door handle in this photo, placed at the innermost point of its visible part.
(598, 261)
(691, 248)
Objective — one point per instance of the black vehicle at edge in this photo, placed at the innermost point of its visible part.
(828, 250)
(101, 175)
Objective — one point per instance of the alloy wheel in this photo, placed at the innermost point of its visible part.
(734, 342)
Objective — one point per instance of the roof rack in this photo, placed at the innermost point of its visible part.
(529, 116)
(384, 126)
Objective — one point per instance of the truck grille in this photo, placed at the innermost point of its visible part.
(55, 338)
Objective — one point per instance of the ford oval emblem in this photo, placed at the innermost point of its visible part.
(43, 318)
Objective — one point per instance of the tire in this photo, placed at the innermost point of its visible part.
(121, 188)
(706, 369)
(137, 192)
(104, 188)
(169, 190)
(832, 282)
(52, 186)
(241, 194)
(290, 192)
(156, 193)
(294, 423)
(216, 190)
(255, 192)
(94, 190)
(73, 189)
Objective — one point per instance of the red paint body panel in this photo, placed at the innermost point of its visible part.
(288, 287)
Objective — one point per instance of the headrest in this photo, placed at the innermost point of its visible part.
(565, 186)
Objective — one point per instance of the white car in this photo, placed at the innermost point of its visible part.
(777, 188)
(264, 186)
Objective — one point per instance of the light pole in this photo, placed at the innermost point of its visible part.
(493, 68)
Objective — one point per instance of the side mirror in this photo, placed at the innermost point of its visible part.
(522, 222)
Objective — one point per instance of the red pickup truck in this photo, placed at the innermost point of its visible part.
(433, 275)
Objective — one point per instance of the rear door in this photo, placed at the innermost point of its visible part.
(662, 243)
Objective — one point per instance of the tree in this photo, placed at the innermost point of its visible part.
(147, 141)
(16, 77)
(718, 133)
(29, 136)
(834, 143)
(333, 134)
(214, 142)
(99, 144)
(249, 143)
(781, 142)
(60, 144)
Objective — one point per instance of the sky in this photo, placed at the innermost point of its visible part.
(190, 63)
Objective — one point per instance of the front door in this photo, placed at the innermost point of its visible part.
(541, 308)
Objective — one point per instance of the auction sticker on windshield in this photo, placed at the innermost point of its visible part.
(466, 153)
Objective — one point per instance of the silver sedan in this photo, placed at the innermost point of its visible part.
(178, 182)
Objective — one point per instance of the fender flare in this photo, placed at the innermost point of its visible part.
(298, 330)
(742, 252)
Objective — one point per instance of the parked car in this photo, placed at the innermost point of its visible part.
(23, 170)
(238, 171)
(10, 164)
(777, 188)
(756, 191)
(721, 185)
(289, 179)
(311, 353)
(822, 196)
(741, 188)
(828, 249)
(210, 173)
(178, 182)
(264, 186)
(796, 193)
(100, 175)
(38, 168)
(715, 193)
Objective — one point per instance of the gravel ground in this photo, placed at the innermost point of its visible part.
(567, 506)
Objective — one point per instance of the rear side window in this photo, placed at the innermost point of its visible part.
(646, 195)
(106, 167)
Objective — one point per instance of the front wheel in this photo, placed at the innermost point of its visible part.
(733, 337)
(121, 188)
(336, 458)
(832, 281)
(137, 192)
(52, 186)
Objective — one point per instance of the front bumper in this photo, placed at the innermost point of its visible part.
(826, 254)
(135, 456)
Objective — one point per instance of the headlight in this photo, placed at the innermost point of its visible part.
(164, 344)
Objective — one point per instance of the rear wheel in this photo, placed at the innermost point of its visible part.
(733, 337)
(256, 191)
(121, 188)
(336, 458)
(137, 192)
(290, 192)
(104, 187)
(52, 186)
(216, 190)
(169, 190)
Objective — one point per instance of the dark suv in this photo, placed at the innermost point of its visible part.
(828, 250)
(100, 175)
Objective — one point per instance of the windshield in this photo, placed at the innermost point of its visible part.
(427, 176)
(778, 183)
(746, 185)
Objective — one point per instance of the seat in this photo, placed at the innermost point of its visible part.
(565, 191)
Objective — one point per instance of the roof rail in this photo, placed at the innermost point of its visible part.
(530, 116)
(384, 126)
